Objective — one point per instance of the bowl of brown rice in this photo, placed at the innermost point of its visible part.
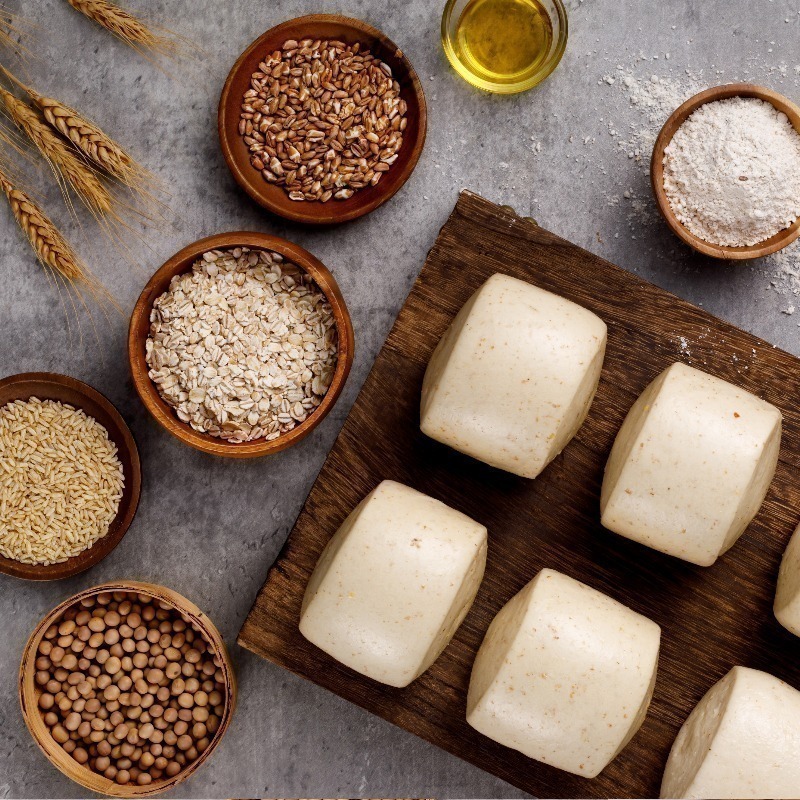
(70, 476)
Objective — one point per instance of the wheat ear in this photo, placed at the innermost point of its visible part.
(87, 137)
(64, 161)
(51, 248)
(91, 140)
(60, 262)
(100, 149)
(122, 24)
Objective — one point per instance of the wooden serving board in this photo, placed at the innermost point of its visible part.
(712, 618)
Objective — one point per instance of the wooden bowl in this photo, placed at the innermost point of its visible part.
(182, 262)
(29, 691)
(321, 26)
(681, 114)
(51, 386)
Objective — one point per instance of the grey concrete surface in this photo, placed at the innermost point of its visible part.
(210, 528)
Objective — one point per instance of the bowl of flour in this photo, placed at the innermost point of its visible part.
(726, 171)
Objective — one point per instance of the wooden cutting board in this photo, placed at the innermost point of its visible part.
(712, 618)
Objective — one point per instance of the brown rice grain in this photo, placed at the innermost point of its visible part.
(61, 481)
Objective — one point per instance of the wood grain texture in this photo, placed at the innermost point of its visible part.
(712, 618)
(777, 242)
(237, 155)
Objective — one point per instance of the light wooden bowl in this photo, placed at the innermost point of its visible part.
(236, 153)
(182, 262)
(51, 386)
(679, 116)
(29, 692)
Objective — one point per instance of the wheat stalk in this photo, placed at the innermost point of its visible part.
(101, 150)
(122, 24)
(64, 161)
(51, 248)
(60, 262)
(90, 139)
(11, 26)
(87, 137)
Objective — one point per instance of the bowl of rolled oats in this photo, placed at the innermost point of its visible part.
(322, 119)
(240, 344)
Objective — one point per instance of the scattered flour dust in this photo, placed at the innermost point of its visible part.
(732, 172)
(655, 97)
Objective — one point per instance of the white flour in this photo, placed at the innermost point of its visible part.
(732, 172)
(652, 98)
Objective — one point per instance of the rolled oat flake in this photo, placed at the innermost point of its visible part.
(243, 346)
(732, 172)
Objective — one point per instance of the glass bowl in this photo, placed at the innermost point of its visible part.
(492, 82)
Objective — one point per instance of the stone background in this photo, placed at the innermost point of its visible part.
(210, 528)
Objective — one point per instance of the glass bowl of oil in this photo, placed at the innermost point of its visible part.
(504, 46)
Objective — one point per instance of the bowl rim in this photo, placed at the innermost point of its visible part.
(772, 245)
(52, 750)
(324, 213)
(508, 88)
(182, 262)
(103, 547)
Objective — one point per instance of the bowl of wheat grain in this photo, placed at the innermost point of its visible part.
(322, 119)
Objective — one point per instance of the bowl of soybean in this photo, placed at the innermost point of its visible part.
(170, 616)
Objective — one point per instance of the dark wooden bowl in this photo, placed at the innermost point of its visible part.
(679, 116)
(51, 386)
(182, 262)
(321, 26)
(29, 692)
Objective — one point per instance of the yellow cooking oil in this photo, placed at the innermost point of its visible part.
(503, 41)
